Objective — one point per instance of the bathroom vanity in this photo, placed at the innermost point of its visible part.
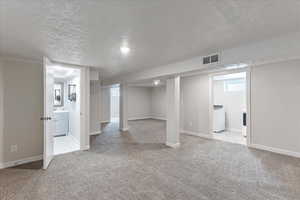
(61, 121)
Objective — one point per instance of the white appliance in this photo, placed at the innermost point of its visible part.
(219, 118)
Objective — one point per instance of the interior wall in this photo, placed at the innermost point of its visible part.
(139, 102)
(105, 104)
(23, 107)
(1, 113)
(195, 104)
(95, 104)
(275, 101)
(158, 102)
(115, 102)
(234, 103)
(74, 109)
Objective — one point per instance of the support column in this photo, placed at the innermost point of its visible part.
(173, 108)
(124, 107)
(95, 110)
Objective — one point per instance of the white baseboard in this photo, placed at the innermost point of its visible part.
(124, 129)
(96, 133)
(255, 146)
(85, 148)
(203, 135)
(173, 145)
(21, 161)
(147, 117)
(139, 118)
(275, 150)
(159, 118)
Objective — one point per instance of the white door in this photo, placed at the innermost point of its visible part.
(48, 113)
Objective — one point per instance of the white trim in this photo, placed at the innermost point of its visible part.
(21, 161)
(105, 121)
(85, 107)
(248, 109)
(203, 135)
(85, 148)
(139, 118)
(96, 133)
(254, 146)
(275, 150)
(124, 129)
(159, 118)
(173, 145)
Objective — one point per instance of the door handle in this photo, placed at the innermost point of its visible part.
(45, 118)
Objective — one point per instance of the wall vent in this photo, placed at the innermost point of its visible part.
(211, 59)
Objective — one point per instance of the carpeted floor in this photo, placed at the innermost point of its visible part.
(136, 165)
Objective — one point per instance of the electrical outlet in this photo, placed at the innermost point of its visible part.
(14, 148)
(191, 124)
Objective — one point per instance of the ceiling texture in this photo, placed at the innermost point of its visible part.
(159, 32)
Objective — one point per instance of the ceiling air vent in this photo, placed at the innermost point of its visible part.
(211, 59)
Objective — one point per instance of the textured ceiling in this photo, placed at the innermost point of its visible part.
(159, 32)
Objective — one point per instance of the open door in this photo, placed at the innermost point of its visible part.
(48, 113)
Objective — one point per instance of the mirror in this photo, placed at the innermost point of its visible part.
(72, 92)
(58, 94)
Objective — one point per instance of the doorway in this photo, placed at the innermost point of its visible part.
(65, 109)
(115, 104)
(229, 106)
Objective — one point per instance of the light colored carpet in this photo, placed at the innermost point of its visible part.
(136, 165)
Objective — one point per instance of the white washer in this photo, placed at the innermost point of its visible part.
(219, 118)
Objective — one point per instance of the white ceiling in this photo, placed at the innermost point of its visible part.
(158, 32)
(60, 72)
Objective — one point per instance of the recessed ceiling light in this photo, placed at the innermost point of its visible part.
(125, 50)
(156, 82)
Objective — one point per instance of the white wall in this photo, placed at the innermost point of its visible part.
(234, 102)
(74, 110)
(139, 102)
(195, 104)
(275, 99)
(115, 102)
(143, 102)
(158, 102)
(95, 106)
(105, 104)
(1, 113)
(23, 107)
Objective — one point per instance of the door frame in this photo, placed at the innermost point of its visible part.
(84, 104)
(45, 117)
(248, 100)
